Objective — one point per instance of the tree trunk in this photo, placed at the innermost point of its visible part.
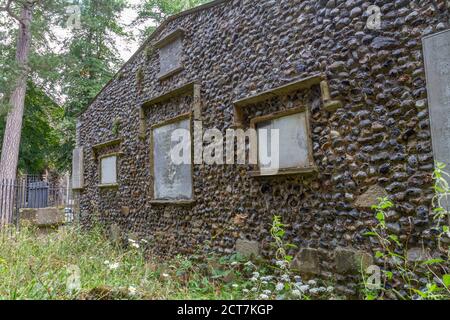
(13, 130)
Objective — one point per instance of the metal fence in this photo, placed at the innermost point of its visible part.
(33, 192)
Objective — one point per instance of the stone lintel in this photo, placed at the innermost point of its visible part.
(96, 148)
(177, 33)
(302, 84)
(193, 88)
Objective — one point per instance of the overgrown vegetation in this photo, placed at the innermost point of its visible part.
(69, 67)
(277, 280)
(403, 278)
(72, 264)
(47, 267)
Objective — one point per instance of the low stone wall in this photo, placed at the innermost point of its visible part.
(42, 218)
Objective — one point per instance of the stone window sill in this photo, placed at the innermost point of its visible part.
(285, 172)
(173, 202)
(109, 186)
(170, 73)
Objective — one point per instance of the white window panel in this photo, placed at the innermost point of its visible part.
(109, 170)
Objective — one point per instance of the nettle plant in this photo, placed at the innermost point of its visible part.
(429, 279)
(278, 281)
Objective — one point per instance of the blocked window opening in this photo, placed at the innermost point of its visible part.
(108, 170)
(172, 179)
(170, 54)
(293, 150)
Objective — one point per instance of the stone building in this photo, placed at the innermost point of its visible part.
(347, 79)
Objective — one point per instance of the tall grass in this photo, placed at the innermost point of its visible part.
(36, 266)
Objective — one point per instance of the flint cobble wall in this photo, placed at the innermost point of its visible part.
(239, 48)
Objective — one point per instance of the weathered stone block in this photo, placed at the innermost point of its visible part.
(307, 261)
(247, 248)
(125, 211)
(115, 233)
(78, 169)
(370, 197)
(43, 217)
(348, 260)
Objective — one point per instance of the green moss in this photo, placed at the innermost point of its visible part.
(139, 79)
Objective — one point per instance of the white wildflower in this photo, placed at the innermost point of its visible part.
(245, 290)
(267, 278)
(264, 283)
(144, 241)
(234, 285)
(314, 291)
(268, 292)
(312, 282)
(254, 289)
(165, 275)
(135, 245)
(106, 262)
(330, 289)
(114, 266)
(281, 263)
(285, 278)
(234, 263)
(253, 279)
(264, 296)
(279, 287)
(296, 293)
(256, 274)
(132, 290)
(304, 288)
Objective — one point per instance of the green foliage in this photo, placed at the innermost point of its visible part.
(116, 127)
(92, 58)
(278, 281)
(277, 232)
(393, 254)
(38, 267)
(43, 134)
(441, 202)
(157, 11)
(84, 62)
(139, 79)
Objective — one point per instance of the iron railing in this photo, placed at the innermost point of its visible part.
(33, 193)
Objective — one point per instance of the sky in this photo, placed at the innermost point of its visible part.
(128, 48)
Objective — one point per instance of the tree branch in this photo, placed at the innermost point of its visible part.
(7, 9)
